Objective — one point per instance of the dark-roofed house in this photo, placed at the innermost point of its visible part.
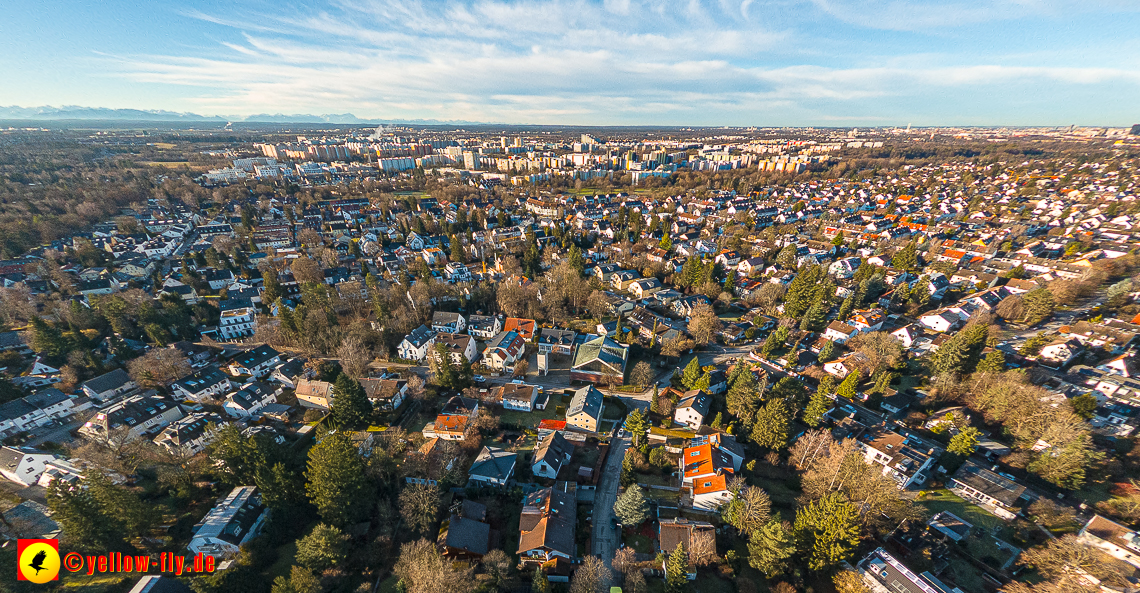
(552, 453)
(448, 323)
(256, 362)
(692, 409)
(23, 465)
(546, 524)
(154, 583)
(385, 394)
(190, 434)
(108, 385)
(38, 409)
(484, 327)
(416, 344)
(204, 385)
(466, 535)
(882, 572)
(994, 492)
(493, 467)
(289, 373)
(230, 524)
(691, 535)
(518, 396)
(140, 414)
(504, 350)
(1113, 538)
(585, 409)
(250, 400)
(451, 422)
(556, 341)
(599, 360)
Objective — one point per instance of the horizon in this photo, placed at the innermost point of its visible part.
(809, 63)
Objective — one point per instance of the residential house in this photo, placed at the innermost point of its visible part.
(552, 453)
(449, 323)
(107, 386)
(231, 524)
(523, 327)
(556, 341)
(883, 573)
(289, 373)
(997, 493)
(706, 465)
(484, 327)
(547, 523)
(256, 363)
(839, 332)
(940, 321)
(451, 423)
(599, 360)
(251, 400)
(1060, 351)
(314, 394)
(697, 538)
(504, 350)
(38, 409)
(385, 394)
(140, 414)
(905, 459)
(585, 409)
(205, 385)
(461, 347)
(23, 465)
(644, 287)
(416, 344)
(1112, 538)
(492, 467)
(692, 409)
(236, 323)
(465, 535)
(191, 434)
(518, 396)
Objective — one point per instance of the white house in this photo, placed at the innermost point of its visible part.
(191, 434)
(551, 455)
(1061, 351)
(518, 396)
(692, 409)
(236, 323)
(256, 362)
(251, 399)
(23, 465)
(385, 394)
(208, 383)
(108, 385)
(839, 332)
(940, 321)
(449, 323)
(484, 327)
(416, 344)
(461, 347)
(1112, 538)
(230, 524)
(493, 467)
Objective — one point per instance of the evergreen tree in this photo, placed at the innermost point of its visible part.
(964, 443)
(666, 243)
(883, 381)
(337, 483)
(539, 584)
(820, 403)
(729, 282)
(637, 426)
(771, 427)
(86, 524)
(961, 352)
(906, 259)
(655, 403)
(994, 362)
(703, 383)
(770, 549)
(847, 307)
(574, 257)
(1039, 305)
(48, 340)
(827, 530)
(351, 408)
(273, 289)
(800, 292)
(631, 508)
(692, 373)
(814, 318)
(827, 351)
(677, 571)
(850, 386)
(718, 421)
(743, 398)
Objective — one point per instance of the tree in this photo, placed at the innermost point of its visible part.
(814, 318)
(748, 511)
(845, 308)
(642, 374)
(883, 351)
(786, 257)
(994, 362)
(906, 259)
(743, 397)
(354, 356)
(1084, 405)
(961, 352)
(337, 483)
(964, 443)
(827, 530)
(1039, 305)
(677, 571)
(631, 508)
(351, 408)
(592, 576)
(771, 427)
(48, 340)
(159, 367)
(847, 581)
(86, 525)
(801, 292)
(692, 373)
(704, 324)
(819, 404)
(637, 426)
(422, 569)
(850, 386)
(770, 548)
(827, 351)
(1011, 308)
(419, 505)
(306, 269)
(539, 584)
(300, 580)
(498, 565)
(323, 548)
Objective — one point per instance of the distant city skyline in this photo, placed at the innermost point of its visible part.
(617, 62)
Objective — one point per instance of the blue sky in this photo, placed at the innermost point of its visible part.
(684, 62)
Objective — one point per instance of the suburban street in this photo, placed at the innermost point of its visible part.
(605, 537)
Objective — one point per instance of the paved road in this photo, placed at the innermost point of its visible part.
(606, 538)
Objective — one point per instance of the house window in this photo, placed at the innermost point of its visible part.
(708, 484)
(695, 454)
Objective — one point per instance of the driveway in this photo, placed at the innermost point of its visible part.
(606, 538)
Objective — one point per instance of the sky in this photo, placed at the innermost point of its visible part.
(582, 62)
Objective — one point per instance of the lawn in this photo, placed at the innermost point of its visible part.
(528, 419)
(388, 585)
(285, 556)
(944, 500)
(640, 543)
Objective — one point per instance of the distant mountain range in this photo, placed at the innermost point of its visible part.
(76, 112)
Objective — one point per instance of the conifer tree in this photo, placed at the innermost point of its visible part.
(676, 571)
(631, 508)
(692, 373)
(827, 351)
(827, 530)
(772, 423)
(850, 385)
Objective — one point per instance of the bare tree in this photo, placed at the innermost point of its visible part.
(704, 324)
(424, 570)
(521, 367)
(419, 505)
(159, 367)
(592, 576)
(642, 374)
(354, 356)
(307, 270)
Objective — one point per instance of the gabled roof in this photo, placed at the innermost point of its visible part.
(493, 463)
(108, 381)
(587, 400)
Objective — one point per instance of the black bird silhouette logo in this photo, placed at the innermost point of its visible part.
(38, 561)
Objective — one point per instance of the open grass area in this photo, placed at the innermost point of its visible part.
(944, 500)
(285, 561)
(388, 585)
(640, 543)
(528, 419)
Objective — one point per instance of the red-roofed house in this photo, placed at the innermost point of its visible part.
(524, 327)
